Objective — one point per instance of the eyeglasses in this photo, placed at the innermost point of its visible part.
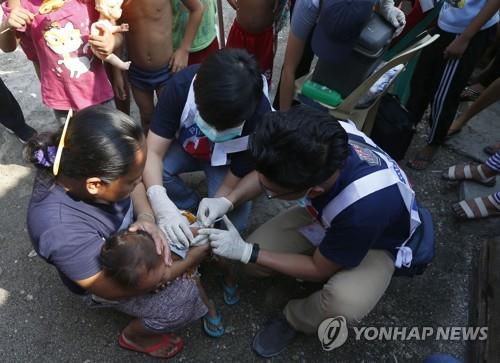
(270, 196)
(60, 147)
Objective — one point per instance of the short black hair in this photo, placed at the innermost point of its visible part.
(299, 148)
(228, 88)
(126, 255)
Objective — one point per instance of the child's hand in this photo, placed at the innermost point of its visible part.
(457, 47)
(179, 60)
(20, 17)
(120, 84)
(104, 43)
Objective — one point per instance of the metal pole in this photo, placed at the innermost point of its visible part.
(220, 15)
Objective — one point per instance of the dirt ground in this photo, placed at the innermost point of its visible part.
(41, 321)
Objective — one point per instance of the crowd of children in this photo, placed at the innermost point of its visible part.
(195, 101)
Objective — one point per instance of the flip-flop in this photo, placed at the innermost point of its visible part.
(208, 322)
(483, 211)
(231, 295)
(469, 94)
(164, 342)
(451, 175)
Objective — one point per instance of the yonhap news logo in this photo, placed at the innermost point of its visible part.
(333, 332)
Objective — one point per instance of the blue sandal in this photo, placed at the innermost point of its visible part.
(209, 323)
(231, 295)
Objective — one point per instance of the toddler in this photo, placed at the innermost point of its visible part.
(130, 259)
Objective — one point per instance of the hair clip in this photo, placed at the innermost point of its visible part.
(60, 147)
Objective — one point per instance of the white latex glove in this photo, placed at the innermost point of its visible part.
(228, 243)
(211, 209)
(200, 240)
(393, 15)
(169, 218)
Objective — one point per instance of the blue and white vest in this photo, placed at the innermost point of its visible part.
(363, 187)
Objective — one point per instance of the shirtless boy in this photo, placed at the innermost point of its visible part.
(149, 46)
(255, 29)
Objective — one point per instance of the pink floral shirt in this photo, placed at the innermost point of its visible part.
(71, 76)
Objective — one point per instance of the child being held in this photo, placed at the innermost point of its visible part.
(130, 260)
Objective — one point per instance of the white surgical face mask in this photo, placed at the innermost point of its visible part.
(213, 134)
(304, 201)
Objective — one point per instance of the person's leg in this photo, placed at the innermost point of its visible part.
(445, 100)
(426, 76)
(172, 308)
(480, 207)
(281, 234)
(145, 102)
(492, 72)
(11, 115)
(349, 293)
(493, 163)
(177, 161)
(212, 322)
(489, 96)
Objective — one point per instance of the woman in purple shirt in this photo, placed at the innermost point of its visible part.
(95, 191)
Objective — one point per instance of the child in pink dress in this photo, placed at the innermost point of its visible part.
(71, 76)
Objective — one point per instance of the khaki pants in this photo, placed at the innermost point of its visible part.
(352, 293)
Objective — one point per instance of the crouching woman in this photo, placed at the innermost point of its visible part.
(88, 187)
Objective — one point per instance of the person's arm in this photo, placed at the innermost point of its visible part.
(157, 149)
(293, 54)
(458, 46)
(228, 184)
(179, 59)
(309, 268)
(247, 189)
(228, 243)
(168, 216)
(210, 209)
(145, 221)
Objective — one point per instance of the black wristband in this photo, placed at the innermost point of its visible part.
(255, 253)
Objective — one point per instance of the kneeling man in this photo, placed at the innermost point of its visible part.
(356, 208)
